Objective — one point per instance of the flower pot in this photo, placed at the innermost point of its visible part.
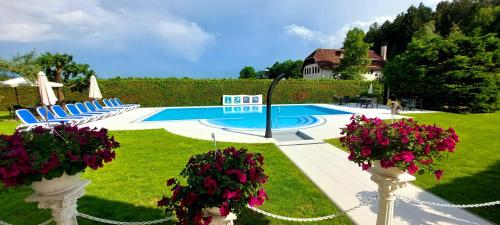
(391, 171)
(57, 185)
(217, 219)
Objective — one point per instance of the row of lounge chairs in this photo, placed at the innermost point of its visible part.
(75, 114)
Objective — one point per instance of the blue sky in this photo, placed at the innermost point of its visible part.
(193, 38)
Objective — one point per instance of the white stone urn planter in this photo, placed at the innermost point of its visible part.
(56, 185)
(390, 172)
(217, 219)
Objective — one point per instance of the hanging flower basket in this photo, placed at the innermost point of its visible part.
(51, 160)
(219, 183)
(398, 147)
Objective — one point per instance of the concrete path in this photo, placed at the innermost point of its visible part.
(347, 185)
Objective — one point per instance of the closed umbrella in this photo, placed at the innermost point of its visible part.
(370, 89)
(94, 91)
(47, 95)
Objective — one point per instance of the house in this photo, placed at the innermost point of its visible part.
(320, 63)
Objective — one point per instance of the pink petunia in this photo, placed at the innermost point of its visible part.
(412, 169)
(210, 185)
(438, 174)
(224, 209)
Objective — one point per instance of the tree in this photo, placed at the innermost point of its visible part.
(62, 68)
(292, 69)
(462, 70)
(355, 60)
(248, 72)
(24, 65)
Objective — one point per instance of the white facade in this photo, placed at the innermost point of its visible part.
(313, 72)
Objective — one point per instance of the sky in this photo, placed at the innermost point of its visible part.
(185, 38)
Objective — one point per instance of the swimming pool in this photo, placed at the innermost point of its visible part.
(248, 116)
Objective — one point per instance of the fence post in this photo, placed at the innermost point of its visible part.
(63, 205)
(387, 186)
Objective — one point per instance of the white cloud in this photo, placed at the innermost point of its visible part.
(88, 23)
(332, 39)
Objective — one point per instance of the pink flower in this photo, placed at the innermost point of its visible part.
(406, 156)
(386, 163)
(242, 177)
(438, 174)
(72, 157)
(190, 198)
(163, 202)
(228, 194)
(351, 156)
(259, 199)
(210, 185)
(366, 151)
(412, 169)
(366, 166)
(224, 209)
(426, 161)
(170, 182)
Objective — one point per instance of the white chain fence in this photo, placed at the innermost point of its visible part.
(286, 218)
(97, 219)
(420, 202)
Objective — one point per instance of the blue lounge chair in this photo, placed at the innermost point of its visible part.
(108, 105)
(75, 112)
(99, 107)
(92, 108)
(45, 113)
(30, 121)
(120, 103)
(84, 109)
(59, 112)
(115, 104)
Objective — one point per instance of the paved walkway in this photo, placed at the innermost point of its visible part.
(347, 185)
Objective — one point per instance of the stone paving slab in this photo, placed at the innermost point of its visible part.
(344, 183)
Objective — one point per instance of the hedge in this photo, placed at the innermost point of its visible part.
(154, 92)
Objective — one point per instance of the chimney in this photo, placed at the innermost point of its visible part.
(383, 52)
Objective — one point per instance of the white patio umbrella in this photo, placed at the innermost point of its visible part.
(23, 82)
(94, 91)
(47, 95)
(370, 89)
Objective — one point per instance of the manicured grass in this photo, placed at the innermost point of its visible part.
(7, 124)
(128, 188)
(472, 173)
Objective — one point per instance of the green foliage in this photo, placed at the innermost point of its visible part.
(355, 61)
(292, 69)
(23, 65)
(462, 71)
(183, 92)
(62, 68)
(248, 72)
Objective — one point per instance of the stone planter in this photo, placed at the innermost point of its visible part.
(390, 172)
(57, 185)
(217, 219)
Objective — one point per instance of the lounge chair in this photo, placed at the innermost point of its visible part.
(76, 112)
(99, 107)
(30, 121)
(45, 113)
(120, 103)
(108, 105)
(59, 111)
(84, 109)
(116, 104)
(92, 108)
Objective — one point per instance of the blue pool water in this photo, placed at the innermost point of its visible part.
(248, 117)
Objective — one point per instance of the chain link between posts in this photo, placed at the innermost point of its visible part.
(44, 223)
(97, 219)
(463, 206)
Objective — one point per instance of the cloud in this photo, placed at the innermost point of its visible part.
(88, 23)
(332, 39)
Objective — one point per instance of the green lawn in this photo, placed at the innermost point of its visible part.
(472, 173)
(128, 188)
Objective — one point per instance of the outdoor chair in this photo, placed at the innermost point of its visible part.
(76, 112)
(419, 103)
(30, 121)
(84, 109)
(45, 113)
(115, 104)
(410, 104)
(120, 103)
(92, 108)
(108, 105)
(59, 112)
(99, 107)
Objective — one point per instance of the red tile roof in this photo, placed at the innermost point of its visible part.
(330, 58)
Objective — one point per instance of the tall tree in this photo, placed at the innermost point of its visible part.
(248, 72)
(24, 65)
(355, 60)
(292, 69)
(62, 68)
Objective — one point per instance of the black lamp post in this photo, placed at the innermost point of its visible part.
(269, 134)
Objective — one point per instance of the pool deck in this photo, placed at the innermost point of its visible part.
(342, 181)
